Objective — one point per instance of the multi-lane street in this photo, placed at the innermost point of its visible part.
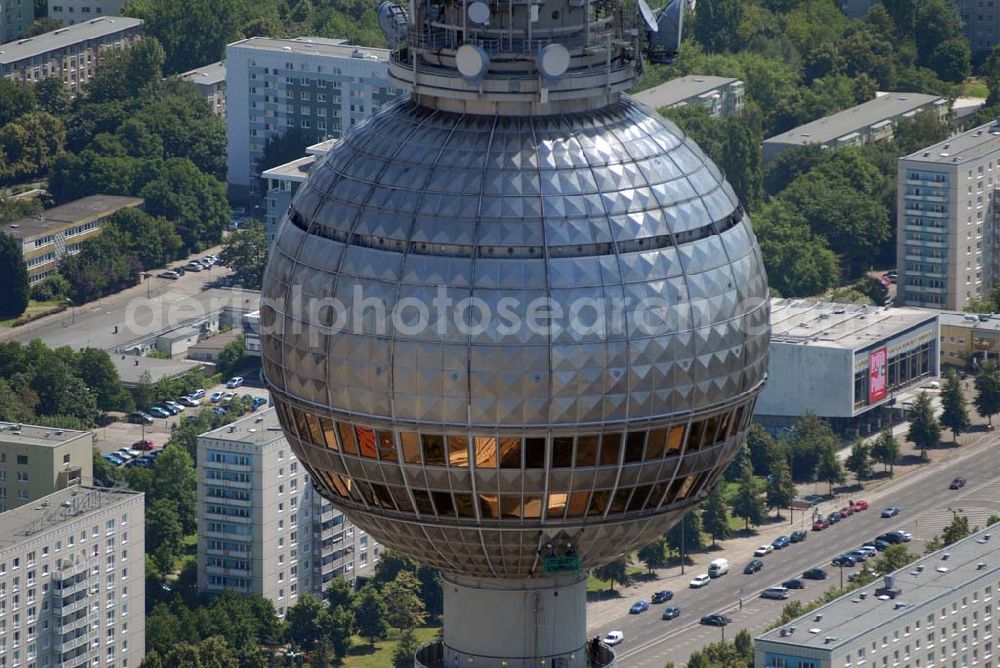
(926, 502)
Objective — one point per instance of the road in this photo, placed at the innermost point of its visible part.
(925, 499)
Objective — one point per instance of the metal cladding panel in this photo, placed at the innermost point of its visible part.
(467, 441)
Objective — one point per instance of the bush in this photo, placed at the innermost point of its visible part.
(53, 288)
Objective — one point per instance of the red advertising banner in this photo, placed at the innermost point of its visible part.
(878, 362)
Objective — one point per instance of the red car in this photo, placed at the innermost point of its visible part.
(819, 525)
(859, 505)
(847, 511)
(144, 444)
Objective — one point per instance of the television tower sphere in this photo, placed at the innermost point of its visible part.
(515, 324)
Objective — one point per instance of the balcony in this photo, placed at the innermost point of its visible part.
(432, 656)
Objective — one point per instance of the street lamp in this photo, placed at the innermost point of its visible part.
(72, 309)
(146, 276)
(682, 547)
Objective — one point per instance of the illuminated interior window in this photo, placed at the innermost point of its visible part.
(620, 500)
(465, 506)
(694, 436)
(656, 444)
(685, 488)
(724, 426)
(458, 451)
(315, 430)
(510, 506)
(386, 446)
(383, 499)
(328, 431)
(577, 504)
(423, 501)
(598, 502)
(443, 503)
(534, 453)
(562, 452)
(301, 426)
(586, 450)
(433, 449)
(634, 442)
(366, 442)
(337, 483)
(676, 440)
(531, 509)
(486, 452)
(611, 446)
(557, 504)
(737, 421)
(510, 453)
(411, 446)
(347, 438)
(489, 506)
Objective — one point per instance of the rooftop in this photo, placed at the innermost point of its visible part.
(77, 211)
(317, 46)
(131, 373)
(980, 321)
(677, 90)
(834, 126)
(26, 434)
(970, 145)
(321, 148)
(55, 509)
(847, 326)
(207, 75)
(296, 170)
(260, 428)
(11, 52)
(843, 620)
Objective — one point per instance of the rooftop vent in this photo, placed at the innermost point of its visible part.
(252, 430)
(815, 630)
(899, 604)
(818, 617)
(883, 597)
(942, 569)
(920, 568)
(829, 639)
(863, 595)
(944, 557)
(981, 565)
(230, 429)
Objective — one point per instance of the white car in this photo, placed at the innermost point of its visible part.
(174, 404)
(614, 638)
(763, 551)
(700, 581)
(124, 454)
(228, 396)
(234, 382)
(216, 397)
(190, 402)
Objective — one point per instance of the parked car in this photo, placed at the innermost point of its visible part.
(234, 382)
(814, 574)
(820, 524)
(144, 444)
(844, 560)
(879, 545)
(163, 405)
(124, 454)
(156, 411)
(846, 511)
(794, 583)
(143, 462)
(699, 581)
(175, 405)
(140, 417)
(858, 555)
(228, 396)
(671, 612)
(219, 410)
(753, 566)
(833, 517)
(715, 620)
(208, 260)
(905, 535)
(197, 394)
(637, 607)
(891, 511)
(859, 505)
(216, 397)
(258, 402)
(179, 269)
(799, 536)
(114, 459)
(868, 550)
(776, 593)
(193, 265)
(957, 483)
(613, 638)
(763, 551)
(781, 542)
(662, 596)
(169, 274)
(190, 402)
(891, 537)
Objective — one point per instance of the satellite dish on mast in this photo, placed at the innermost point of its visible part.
(392, 20)
(472, 62)
(479, 13)
(648, 16)
(553, 61)
(664, 41)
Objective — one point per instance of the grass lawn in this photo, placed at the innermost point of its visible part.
(33, 308)
(975, 88)
(361, 655)
(596, 585)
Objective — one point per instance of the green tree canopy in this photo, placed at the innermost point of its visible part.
(717, 24)
(925, 432)
(747, 502)
(885, 449)
(715, 515)
(780, 488)
(370, 614)
(654, 555)
(859, 462)
(245, 252)
(614, 571)
(405, 610)
(987, 399)
(828, 466)
(955, 412)
(13, 276)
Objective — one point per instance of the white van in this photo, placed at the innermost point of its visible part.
(718, 568)
(777, 593)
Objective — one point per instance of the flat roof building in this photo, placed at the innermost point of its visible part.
(721, 96)
(262, 527)
(72, 53)
(72, 580)
(322, 87)
(210, 80)
(938, 611)
(16, 17)
(842, 361)
(967, 339)
(75, 11)
(53, 234)
(868, 123)
(283, 182)
(37, 461)
(946, 225)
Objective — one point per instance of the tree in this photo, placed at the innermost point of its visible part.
(14, 277)
(193, 32)
(163, 534)
(894, 558)
(16, 99)
(828, 468)
(798, 263)
(762, 448)
(231, 357)
(390, 564)
(885, 449)
(685, 535)
(95, 368)
(337, 627)
(952, 60)
(937, 22)
(304, 620)
(859, 462)
(52, 96)
(106, 474)
(245, 252)
(152, 241)
(715, 515)
(339, 594)
(780, 488)
(612, 572)
(925, 432)
(405, 610)
(956, 530)
(717, 22)
(987, 399)
(370, 613)
(406, 649)
(746, 502)
(654, 555)
(954, 413)
(125, 74)
(195, 201)
(174, 478)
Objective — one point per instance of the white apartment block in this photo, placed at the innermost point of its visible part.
(322, 87)
(210, 81)
(262, 527)
(72, 581)
(37, 461)
(980, 22)
(720, 96)
(75, 11)
(939, 612)
(946, 229)
(16, 16)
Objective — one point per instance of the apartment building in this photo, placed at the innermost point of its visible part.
(322, 87)
(946, 239)
(262, 527)
(72, 53)
(16, 17)
(75, 11)
(53, 234)
(211, 83)
(868, 123)
(72, 581)
(283, 182)
(720, 96)
(980, 23)
(938, 612)
(37, 461)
